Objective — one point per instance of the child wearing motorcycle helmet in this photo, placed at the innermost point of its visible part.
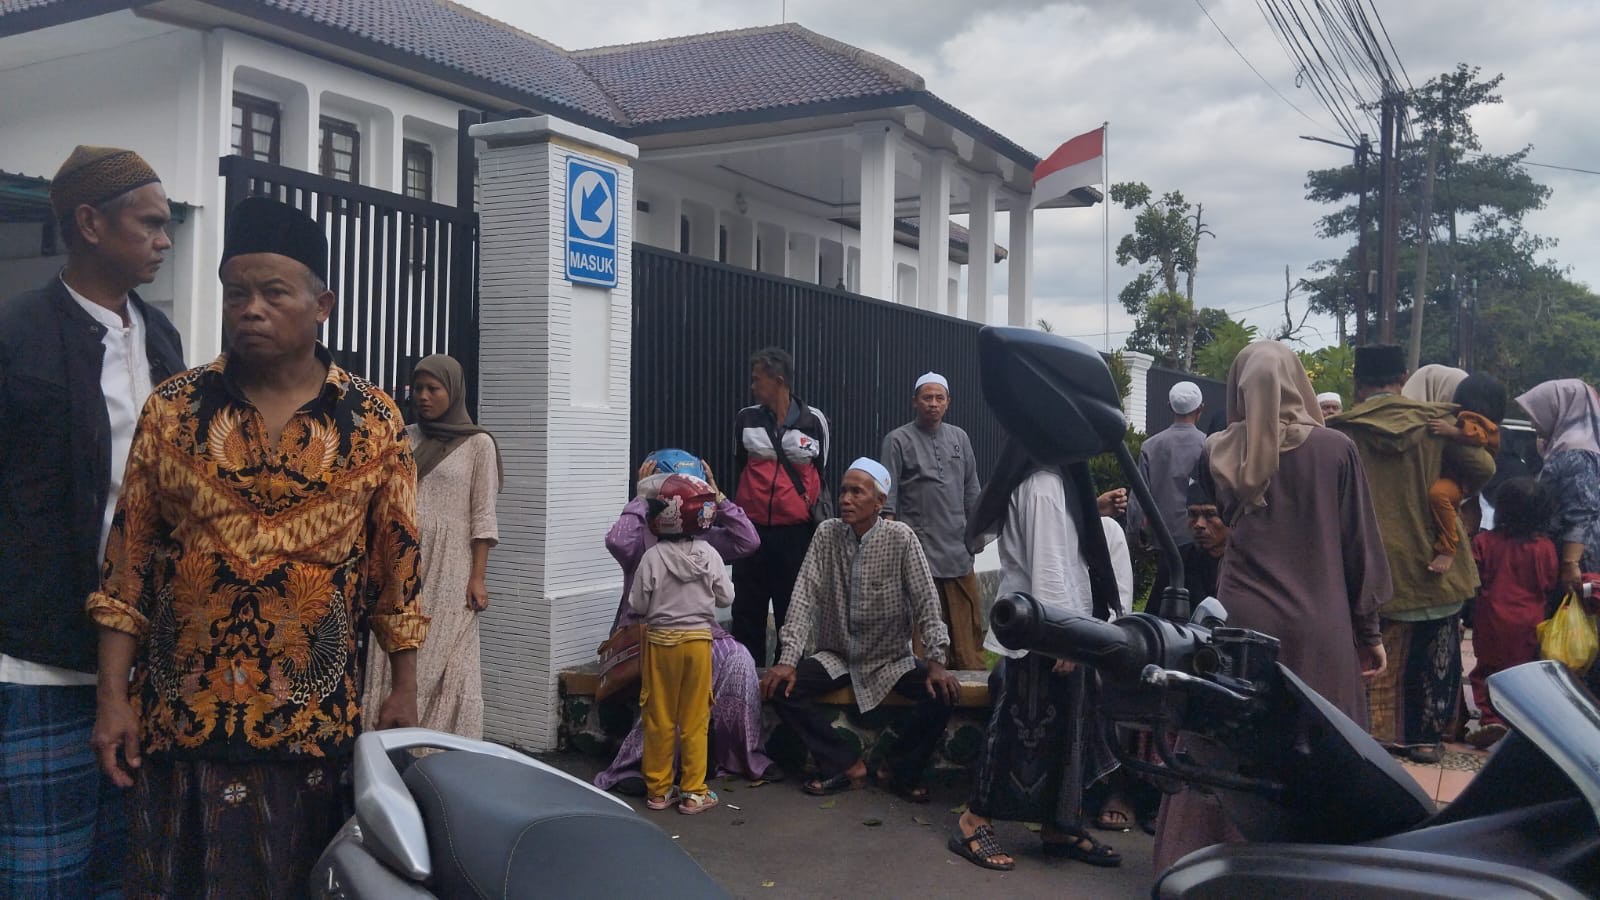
(678, 586)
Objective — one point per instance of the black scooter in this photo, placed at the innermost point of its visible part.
(1326, 811)
(480, 820)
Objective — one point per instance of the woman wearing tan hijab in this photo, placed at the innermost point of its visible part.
(1304, 561)
(458, 475)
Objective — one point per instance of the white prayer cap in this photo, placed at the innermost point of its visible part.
(932, 378)
(875, 469)
(1185, 397)
(1330, 397)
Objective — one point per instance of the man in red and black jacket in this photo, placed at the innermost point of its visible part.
(768, 493)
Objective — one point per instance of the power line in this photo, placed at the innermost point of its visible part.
(1390, 42)
(1257, 71)
(1317, 75)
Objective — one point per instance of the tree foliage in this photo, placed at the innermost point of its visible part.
(1165, 241)
(1216, 357)
(1525, 319)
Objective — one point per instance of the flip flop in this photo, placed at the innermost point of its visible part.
(838, 784)
(1096, 854)
(986, 846)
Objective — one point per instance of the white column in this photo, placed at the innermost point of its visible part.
(933, 225)
(1020, 276)
(554, 390)
(980, 248)
(1139, 391)
(878, 143)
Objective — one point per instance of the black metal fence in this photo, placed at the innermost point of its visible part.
(404, 270)
(1158, 415)
(695, 324)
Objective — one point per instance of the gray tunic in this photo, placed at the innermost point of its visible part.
(1166, 461)
(934, 488)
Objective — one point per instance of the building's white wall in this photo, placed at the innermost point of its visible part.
(137, 95)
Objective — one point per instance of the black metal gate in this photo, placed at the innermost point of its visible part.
(404, 271)
(1158, 413)
(696, 322)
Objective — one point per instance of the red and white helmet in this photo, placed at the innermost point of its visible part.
(684, 504)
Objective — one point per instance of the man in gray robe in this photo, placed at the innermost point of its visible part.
(934, 488)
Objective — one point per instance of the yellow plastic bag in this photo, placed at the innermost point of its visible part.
(1569, 636)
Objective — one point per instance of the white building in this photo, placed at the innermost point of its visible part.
(775, 148)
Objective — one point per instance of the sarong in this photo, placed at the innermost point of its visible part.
(224, 830)
(1044, 746)
(1415, 700)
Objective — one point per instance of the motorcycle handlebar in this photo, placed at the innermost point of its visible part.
(1021, 622)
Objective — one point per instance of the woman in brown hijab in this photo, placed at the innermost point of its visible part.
(1304, 561)
(458, 475)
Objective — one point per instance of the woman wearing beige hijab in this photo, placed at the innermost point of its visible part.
(1433, 384)
(458, 475)
(1304, 561)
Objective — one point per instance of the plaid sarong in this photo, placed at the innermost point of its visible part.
(62, 832)
(1414, 701)
(219, 829)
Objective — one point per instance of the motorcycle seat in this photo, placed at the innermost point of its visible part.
(497, 828)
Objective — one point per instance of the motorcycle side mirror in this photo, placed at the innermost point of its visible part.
(1056, 396)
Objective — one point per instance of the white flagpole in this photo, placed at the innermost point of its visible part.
(1105, 202)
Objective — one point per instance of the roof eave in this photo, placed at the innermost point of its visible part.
(60, 14)
(413, 62)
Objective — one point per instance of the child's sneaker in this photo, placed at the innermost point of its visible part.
(693, 804)
(659, 803)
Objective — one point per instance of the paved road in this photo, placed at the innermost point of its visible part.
(781, 843)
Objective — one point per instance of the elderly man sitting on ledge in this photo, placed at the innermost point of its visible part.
(863, 583)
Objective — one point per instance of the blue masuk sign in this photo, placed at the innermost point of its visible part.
(591, 223)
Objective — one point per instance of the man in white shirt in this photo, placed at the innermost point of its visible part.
(78, 357)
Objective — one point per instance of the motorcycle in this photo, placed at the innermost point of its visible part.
(1325, 810)
(480, 820)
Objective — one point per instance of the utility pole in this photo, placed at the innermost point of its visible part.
(1361, 292)
(1389, 240)
(1363, 272)
(1419, 289)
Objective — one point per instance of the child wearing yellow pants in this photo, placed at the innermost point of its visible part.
(678, 586)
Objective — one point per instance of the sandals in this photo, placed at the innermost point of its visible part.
(978, 847)
(694, 804)
(1095, 854)
(672, 798)
(837, 784)
(910, 794)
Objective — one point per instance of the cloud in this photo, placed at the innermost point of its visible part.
(1185, 112)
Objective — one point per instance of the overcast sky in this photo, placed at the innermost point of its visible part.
(1186, 113)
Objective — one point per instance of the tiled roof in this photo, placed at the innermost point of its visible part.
(454, 37)
(739, 71)
(680, 82)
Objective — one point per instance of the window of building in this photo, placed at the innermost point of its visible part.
(722, 243)
(683, 234)
(255, 128)
(341, 150)
(419, 170)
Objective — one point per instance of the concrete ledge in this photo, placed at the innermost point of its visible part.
(583, 680)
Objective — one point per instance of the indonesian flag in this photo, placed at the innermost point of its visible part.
(1075, 164)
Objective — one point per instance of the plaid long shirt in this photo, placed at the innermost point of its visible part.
(857, 600)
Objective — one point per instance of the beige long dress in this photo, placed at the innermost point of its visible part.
(455, 506)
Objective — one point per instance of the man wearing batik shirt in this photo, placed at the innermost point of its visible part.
(862, 588)
(269, 509)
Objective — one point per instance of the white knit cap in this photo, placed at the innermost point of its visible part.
(1185, 397)
(873, 468)
(1330, 397)
(932, 378)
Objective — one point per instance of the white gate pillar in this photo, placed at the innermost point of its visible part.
(554, 389)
